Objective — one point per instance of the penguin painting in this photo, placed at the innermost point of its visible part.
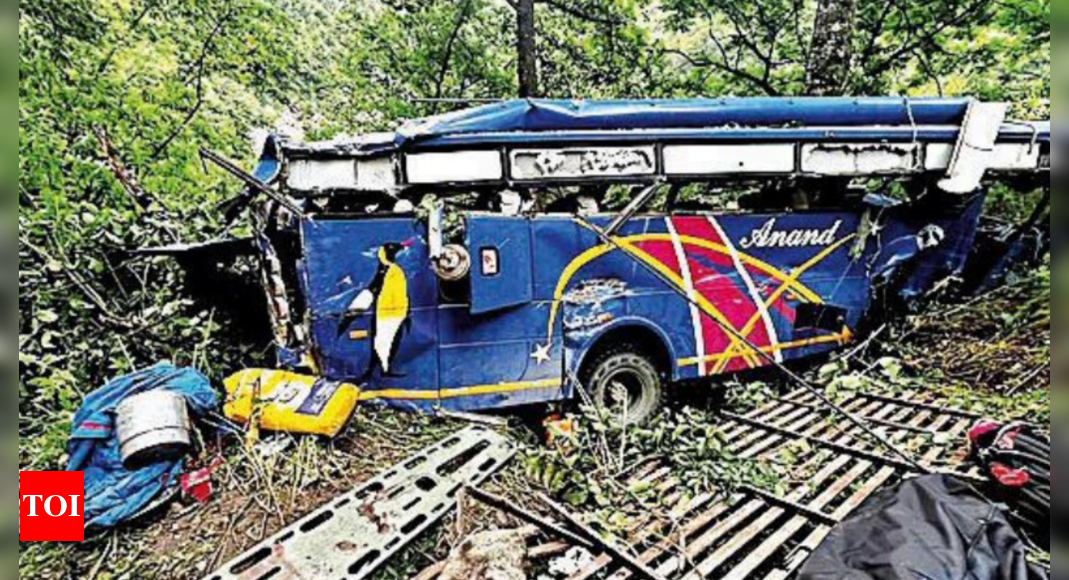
(388, 295)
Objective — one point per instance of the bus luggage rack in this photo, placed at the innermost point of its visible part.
(757, 535)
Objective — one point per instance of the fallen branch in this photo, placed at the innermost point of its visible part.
(91, 294)
(126, 179)
(864, 346)
(550, 528)
(638, 568)
(1027, 379)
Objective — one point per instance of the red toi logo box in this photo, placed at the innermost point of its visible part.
(51, 506)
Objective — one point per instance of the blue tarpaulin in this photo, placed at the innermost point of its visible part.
(112, 493)
(747, 120)
(698, 118)
(629, 115)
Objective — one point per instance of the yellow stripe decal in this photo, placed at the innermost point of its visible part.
(841, 338)
(598, 251)
(475, 391)
(749, 328)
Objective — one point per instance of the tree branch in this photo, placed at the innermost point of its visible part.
(71, 273)
(581, 14)
(201, 68)
(927, 38)
(746, 37)
(126, 179)
(758, 82)
(25, 199)
(926, 64)
(443, 72)
(877, 32)
(799, 36)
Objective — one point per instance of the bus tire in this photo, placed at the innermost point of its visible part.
(622, 374)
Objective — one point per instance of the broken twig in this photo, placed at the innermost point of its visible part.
(618, 554)
(126, 179)
(550, 528)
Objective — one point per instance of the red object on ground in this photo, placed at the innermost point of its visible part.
(197, 485)
(981, 430)
(1009, 477)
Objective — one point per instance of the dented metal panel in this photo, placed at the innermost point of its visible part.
(359, 532)
(548, 164)
(860, 159)
(544, 291)
(973, 153)
(373, 305)
(545, 141)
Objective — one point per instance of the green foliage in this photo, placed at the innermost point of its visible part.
(137, 85)
(592, 467)
(994, 50)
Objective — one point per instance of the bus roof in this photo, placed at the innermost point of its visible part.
(546, 141)
(752, 119)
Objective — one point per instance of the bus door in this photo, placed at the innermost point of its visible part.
(492, 341)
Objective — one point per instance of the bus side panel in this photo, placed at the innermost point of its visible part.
(498, 359)
(342, 261)
(756, 274)
(792, 278)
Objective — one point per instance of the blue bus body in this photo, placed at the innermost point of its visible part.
(544, 291)
(350, 270)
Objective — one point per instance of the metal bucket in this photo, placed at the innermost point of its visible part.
(153, 427)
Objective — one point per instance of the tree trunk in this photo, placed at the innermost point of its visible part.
(527, 48)
(833, 42)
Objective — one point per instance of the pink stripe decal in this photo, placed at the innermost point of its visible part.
(714, 277)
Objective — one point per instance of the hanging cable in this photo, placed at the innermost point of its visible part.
(876, 438)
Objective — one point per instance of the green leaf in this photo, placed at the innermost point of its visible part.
(577, 496)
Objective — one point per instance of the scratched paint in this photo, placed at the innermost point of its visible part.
(556, 289)
(590, 305)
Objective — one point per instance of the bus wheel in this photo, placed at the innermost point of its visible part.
(622, 378)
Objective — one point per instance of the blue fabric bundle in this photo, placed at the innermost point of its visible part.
(112, 493)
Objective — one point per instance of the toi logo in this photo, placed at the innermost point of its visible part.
(51, 506)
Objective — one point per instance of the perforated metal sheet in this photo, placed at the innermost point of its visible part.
(746, 537)
(358, 532)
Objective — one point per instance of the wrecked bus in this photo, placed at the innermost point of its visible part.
(471, 261)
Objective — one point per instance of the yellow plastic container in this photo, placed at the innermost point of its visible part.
(289, 402)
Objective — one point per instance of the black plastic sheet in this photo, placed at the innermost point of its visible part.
(930, 528)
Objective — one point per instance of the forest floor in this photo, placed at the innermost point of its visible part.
(991, 355)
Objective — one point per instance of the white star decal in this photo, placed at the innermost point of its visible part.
(541, 354)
